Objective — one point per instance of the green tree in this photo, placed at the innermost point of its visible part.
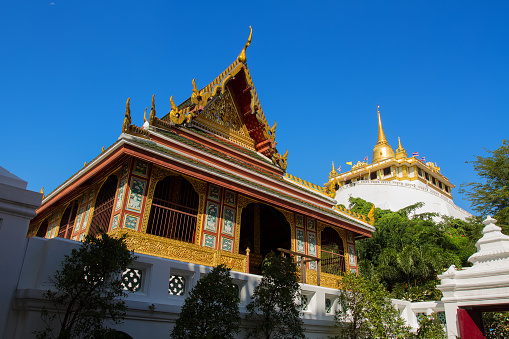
(88, 289)
(366, 311)
(496, 325)
(211, 310)
(491, 194)
(431, 328)
(274, 307)
(408, 250)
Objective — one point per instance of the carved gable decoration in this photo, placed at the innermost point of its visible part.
(222, 117)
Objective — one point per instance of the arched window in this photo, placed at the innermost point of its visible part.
(174, 209)
(333, 253)
(104, 206)
(67, 222)
(43, 229)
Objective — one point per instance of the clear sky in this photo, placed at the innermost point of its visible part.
(438, 69)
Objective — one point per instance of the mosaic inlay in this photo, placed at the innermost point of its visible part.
(311, 224)
(125, 168)
(300, 241)
(137, 190)
(214, 192)
(230, 198)
(78, 220)
(312, 244)
(227, 244)
(140, 168)
(350, 237)
(210, 241)
(114, 223)
(85, 220)
(120, 195)
(212, 214)
(299, 220)
(131, 222)
(228, 220)
(351, 254)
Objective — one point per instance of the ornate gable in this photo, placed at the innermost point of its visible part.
(222, 117)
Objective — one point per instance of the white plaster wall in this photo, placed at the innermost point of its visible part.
(17, 207)
(396, 195)
(150, 310)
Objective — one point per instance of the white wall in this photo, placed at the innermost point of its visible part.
(17, 207)
(396, 195)
(152, 307)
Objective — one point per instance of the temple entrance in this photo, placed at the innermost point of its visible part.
(333, 253)
(174, 210)
(263, 229)
(104, 206)
(67, 222)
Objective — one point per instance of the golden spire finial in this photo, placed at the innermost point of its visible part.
(242, 55)
(333, 173)
(382, 148)
(145, 115)
(400, 151)
(102, 149)
(381, 134)
(127, 118)
(152, 111)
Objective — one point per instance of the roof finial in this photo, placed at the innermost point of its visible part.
(152, 115)
(382, 148)
(381, 134)
(242, 55)
(399, 143)
(127, 118)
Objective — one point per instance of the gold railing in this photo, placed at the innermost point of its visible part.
(144, 243)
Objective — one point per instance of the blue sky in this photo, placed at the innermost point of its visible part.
(438, 69)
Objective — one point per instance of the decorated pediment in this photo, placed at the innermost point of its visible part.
(228, 107)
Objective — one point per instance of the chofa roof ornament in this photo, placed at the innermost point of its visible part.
(242, 56)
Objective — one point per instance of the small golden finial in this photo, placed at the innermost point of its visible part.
(85, 164)
(195, 89)
(173, 106)
(102, 150)
(242, 55)
(127, 118)
(42, 191)
(152, 111)
(371, 215)
(145, 115)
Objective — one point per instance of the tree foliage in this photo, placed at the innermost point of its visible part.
(430, 327)
(88, 287)
(366, 311)
(408, 250)
(211, 310)
(491, 194)
(274, 307)
(496, 325)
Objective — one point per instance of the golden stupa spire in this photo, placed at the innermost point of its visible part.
(382, 148)
(333, 173)
(381, 134)
(400, 151)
